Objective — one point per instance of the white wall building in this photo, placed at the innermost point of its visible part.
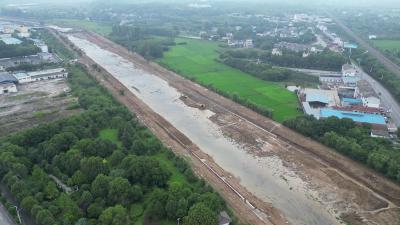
(23, 29)
(368, 95)
(24, 35)
(349, 70)
(7, 83)
(371, 102)
(41, 75)
(248, 43)
(7, 88)
(276, 51)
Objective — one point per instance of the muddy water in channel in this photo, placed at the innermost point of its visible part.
(261, 176)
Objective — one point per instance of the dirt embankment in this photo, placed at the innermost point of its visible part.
(341, 185)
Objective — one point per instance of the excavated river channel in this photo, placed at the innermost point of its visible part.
(255, 173)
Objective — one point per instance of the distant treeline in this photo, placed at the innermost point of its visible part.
(150, 42)
(353, 141)
(267, 72)
(325, 60)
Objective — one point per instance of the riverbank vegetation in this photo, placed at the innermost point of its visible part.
(105, 169)
(353, 141)
(325, 60)
(54, 45)
(149, 42)
(267, 72)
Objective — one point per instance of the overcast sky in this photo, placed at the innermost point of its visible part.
(355, 3)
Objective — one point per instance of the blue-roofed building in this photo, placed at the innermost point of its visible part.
(351, 101)
(355, 116)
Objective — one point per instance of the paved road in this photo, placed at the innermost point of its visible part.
(394, 68)
(388, 101)
(5, 218)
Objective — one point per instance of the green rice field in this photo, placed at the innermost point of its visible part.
(196, 59)
(387, 44)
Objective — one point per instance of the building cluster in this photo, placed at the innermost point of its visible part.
(294, 47)
(10, 81)
(248, 43)
(12, 34)
(346, 95)
(40, 58)
(20, 30)
(229, 38)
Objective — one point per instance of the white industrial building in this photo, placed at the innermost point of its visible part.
(7, 88)
(349, 70)
(41, 75)
(368, 95)
(7, 83)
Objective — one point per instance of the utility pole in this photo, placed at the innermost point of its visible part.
(19, 217)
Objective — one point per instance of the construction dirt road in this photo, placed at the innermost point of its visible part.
(267, 173)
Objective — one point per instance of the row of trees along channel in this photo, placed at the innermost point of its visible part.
(352, 140)
(118, 172)
(143, 41)
(325, 60)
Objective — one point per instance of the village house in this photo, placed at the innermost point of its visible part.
(276, 51)
(7, 83)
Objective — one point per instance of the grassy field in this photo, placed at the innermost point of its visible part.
(196, 59)
(102, 29)
(111, 135)
(387, 44)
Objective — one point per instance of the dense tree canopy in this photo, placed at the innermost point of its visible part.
(23, 49)
(120, 179)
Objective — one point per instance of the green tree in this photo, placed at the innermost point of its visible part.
(119, 191)
(93, 166)
(100, 186)
(95, 209)
(44, 217)
(116, 215)
(51, 191)
(85, 200)
(69, 209)
(200, 214)
(28, 202)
